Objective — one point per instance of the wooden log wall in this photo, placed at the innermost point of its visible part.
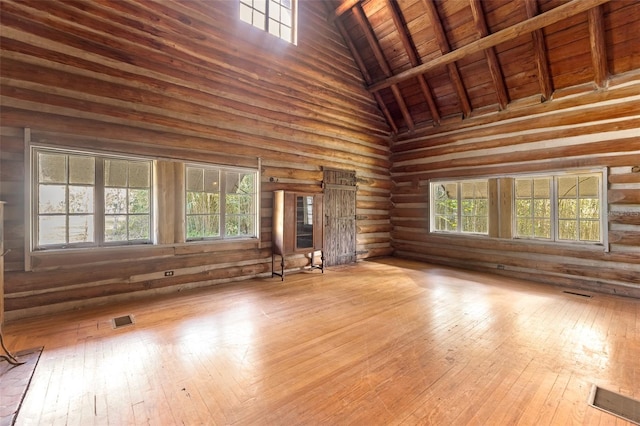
(179, 80)
(579, 128)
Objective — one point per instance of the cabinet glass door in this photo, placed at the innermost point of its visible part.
(304, 221)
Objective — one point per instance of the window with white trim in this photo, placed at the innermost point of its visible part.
(84, 199)
(460, 206)
(220, 202)
(561, 207)
(277, 17)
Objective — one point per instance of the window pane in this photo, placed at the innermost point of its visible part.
(541, 188)
(139, 201)
(274, 10)
(259, 20)
(81, 229)
(590, 208)
(445, 206)
(239, 204)
(139, 175)
(231, 226)
(523, 188)
(52, 230)
(205, 226)
(211, 181)
(567, 209)
(194, 226)
(82, 170)
(533, 208)
(115, 173)
(115, 228)
(474, 196)
(523, 208)
(195, 203)
(274, 28)
(139, 227)
(567, 187)
(115, 200)
(232, 182)
(542, 228)
(195, 179)
(245, 13)
(52, 168)
(81, 199)
(247, 183)
(245, 224)
(542, 208)
(590, 230)
(568, 230)
(589, 186)
(524, 227)
(260, 5)
(52, 199)
(211, 226)
(199, 203)
(285, 33)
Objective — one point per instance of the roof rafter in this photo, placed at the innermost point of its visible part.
(452, 68)
(540, 53)
(346, 6)
(413, 59)
(552, 16)
(490, 54)
(382, 61)
(365, 73)
(598, 46)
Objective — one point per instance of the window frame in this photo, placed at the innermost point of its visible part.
(554, 206)
(495, 206)
(268, 18)
(222, 201)
(459, 212)
(99, 210)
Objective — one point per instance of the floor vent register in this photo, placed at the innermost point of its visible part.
(616, 404)
(122, 321)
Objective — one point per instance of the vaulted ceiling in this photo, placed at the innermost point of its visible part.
(427, 62)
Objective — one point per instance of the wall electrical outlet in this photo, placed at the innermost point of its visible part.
(168, 273)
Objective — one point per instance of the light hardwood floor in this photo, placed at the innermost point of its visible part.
(377, 343)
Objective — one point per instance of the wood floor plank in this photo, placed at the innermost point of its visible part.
(381, 342)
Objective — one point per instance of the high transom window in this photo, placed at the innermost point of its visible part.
(277, 17)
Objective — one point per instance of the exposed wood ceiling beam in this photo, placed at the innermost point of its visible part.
(552, 16)
(346, 6)
(598, 46)
(540, 53)
(413, 59)
(452, 68)
(382, 61)
(490, 54)
(365, 73)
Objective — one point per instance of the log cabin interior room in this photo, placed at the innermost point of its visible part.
(263, 212)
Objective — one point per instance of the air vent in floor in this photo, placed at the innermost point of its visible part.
(122, 321)
(616, 404)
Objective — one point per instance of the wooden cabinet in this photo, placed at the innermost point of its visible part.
(297, 227)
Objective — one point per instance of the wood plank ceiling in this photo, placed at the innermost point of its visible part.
(432, 61)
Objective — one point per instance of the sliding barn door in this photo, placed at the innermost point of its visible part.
(340, 217)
